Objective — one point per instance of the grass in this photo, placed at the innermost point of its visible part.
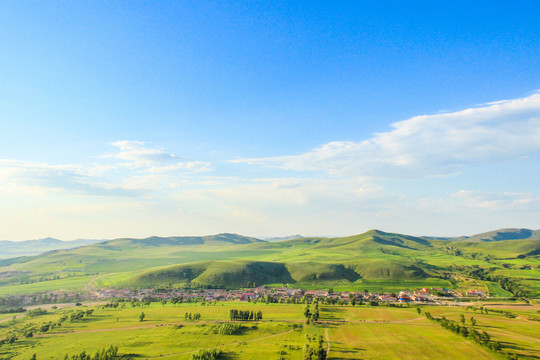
(74, 283)
(353, 332)
(496, 290)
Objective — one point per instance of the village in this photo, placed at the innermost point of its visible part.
(286, 295)
(257, 294)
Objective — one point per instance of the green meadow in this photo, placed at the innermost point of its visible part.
(360, 332)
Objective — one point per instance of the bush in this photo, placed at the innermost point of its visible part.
(208, 354)
(35, 312)
(230, 328)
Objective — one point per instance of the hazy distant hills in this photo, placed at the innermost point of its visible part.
(281, 238)
(182, 240)
(495, 235)
(9, 249)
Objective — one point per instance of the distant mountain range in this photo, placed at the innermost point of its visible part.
(9, 249)
(280, 238)
(495, 235)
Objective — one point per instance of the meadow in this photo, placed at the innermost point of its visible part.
(359, 332)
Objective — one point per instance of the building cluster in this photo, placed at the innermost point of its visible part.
(264, 293)
(283, 295)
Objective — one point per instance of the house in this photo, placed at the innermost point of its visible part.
(479, 293)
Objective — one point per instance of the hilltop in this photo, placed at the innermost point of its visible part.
(496, 235)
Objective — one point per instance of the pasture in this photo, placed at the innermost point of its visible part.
(360, 332)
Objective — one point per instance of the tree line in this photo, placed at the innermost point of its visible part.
(194, 316)
(245, 315)
(208, 354)
(315, 351)
(104, 354)
(470, 332)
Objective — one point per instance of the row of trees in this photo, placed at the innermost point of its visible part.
(245, 315)
(312, 315)
(482, 338)
(194, 316)
(19, 309)
(104, 354)
(315, 351)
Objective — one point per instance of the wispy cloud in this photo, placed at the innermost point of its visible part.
(139, 153)
(123, 173)
(189, 166)
(507, 201)
(428, 145)
(39, 178)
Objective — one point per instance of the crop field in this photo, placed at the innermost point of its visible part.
(360, 332)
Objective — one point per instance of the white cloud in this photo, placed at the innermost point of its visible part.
(138, 153)
(428, 145)
(127, 174)
(190, 166)
(507, 201)
(36, 178)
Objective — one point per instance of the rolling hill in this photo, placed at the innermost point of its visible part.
(496, 235)
(10, 249)
(230, 260)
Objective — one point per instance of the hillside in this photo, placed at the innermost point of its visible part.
(230, 260)
(10, 249)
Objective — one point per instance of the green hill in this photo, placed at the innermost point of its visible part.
(218, 239)
(224, 274)
(230, 260)
(495, 235)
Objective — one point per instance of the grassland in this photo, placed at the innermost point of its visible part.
(373, 261)
(361, 332)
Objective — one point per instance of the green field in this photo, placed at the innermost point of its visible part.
(361, 332)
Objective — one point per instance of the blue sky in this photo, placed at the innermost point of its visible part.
(268, 118)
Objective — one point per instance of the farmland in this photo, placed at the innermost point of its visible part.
(143, 276)
(360, 332)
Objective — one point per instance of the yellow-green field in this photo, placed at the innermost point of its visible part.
(360, 332)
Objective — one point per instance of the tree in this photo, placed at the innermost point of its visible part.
(33, 357)
(10, 339)
(321, 353)
(315, 315)
(307, 313)
(462, 317)
(141, 317)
